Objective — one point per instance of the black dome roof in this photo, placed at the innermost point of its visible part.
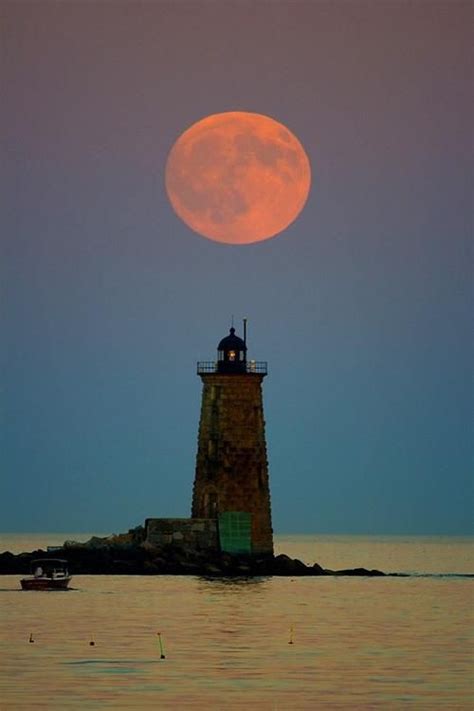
(232, 343)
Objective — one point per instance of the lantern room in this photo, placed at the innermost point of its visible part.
(232, 354)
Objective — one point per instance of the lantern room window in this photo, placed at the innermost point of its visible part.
(232, 355)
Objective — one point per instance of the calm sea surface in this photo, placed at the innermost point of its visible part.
(358, 643)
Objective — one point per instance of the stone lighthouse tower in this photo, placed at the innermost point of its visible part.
(231, 482)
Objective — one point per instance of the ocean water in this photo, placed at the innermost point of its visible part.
(269, 643)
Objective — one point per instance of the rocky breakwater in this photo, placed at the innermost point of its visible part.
(129, 554)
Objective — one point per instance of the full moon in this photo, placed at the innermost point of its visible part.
(237, 177)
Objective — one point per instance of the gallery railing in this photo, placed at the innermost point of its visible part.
(251, 366)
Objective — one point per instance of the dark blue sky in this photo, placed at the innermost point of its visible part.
(362, 307)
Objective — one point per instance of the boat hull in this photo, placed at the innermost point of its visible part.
(45, 583)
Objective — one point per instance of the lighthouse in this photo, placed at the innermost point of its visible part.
(231, 482)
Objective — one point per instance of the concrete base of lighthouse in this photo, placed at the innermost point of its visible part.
(231, 465)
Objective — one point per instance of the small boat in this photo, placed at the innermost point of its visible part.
(47, 574)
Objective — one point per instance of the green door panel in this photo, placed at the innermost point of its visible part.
(235, 532)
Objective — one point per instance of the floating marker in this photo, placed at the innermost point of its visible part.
(291, 636)
(162, 654)
(92, 643)
(31, 640)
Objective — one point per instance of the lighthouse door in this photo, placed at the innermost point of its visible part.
(235, 532)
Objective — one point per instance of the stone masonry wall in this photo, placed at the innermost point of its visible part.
(185, 533)
(231, 464)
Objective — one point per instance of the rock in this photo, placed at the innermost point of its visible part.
(73, 544)
(137, 534)
(243, 570)
(210, 569)
(8, 563)
(127, 567)
(118, 554)
(264, 566)
(281, 562)
(284, 565)
(96, 542)
(358, 571)
(191, 569)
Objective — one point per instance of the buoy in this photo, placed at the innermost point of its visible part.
(162, 654)
(31, 640)
(92, 643)
(291, 636)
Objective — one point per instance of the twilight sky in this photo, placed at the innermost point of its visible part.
(362, 307)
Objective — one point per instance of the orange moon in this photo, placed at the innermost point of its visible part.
(237, 177)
